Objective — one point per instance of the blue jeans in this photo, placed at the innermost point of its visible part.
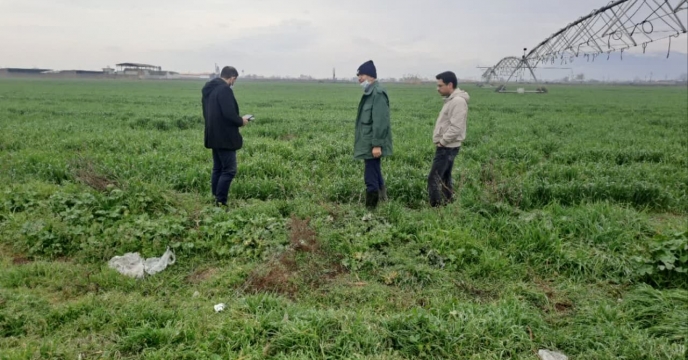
(373, 175)
(224, 170)
(440, 186)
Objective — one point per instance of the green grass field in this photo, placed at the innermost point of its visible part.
(569, 232)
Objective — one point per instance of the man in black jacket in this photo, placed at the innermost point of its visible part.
(222, 123)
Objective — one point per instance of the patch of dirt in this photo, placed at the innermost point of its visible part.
(482, 295)
(302, 237)
(20, 260)
(549, 292)
(275, 276)
(288, 137)
(200, 276)
(563, 306)
(306, 263)
(86, 172)
(560, 305)
(7, 253)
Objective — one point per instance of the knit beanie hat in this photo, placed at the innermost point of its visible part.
(368, 68)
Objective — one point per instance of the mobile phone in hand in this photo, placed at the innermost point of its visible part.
(249, 117)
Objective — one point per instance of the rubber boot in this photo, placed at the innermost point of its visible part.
(372, 199)
(383, 193)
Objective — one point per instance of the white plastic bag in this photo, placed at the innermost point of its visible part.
(129, 264)
(551, 355)
(133, 265)
(153, 266)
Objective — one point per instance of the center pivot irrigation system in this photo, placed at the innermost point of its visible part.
(619, 26)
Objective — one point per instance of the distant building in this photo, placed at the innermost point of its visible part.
(144, 71)
(81, 72)
(123, 71)
(136, 69)
(19, 71)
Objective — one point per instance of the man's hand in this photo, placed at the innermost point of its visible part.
(377, 152)
(245, 120)
(439, 145)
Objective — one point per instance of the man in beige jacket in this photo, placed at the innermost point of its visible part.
(450, 132)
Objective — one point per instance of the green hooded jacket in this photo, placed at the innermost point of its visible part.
(372, 123)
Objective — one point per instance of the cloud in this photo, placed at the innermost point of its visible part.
(263, 50)
(289, 36)
(273, 37)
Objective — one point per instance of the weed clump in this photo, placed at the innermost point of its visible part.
(665, 261)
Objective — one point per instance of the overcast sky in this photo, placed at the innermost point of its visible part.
(278, 37)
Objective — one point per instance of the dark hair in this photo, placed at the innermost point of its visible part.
(229, 72)
(448, 77)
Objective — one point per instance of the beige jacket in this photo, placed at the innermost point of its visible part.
(450, 128)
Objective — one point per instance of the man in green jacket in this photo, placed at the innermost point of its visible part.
(373, 139)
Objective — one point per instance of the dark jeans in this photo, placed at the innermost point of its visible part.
(439, 181)
(224, 170)
(373, 175)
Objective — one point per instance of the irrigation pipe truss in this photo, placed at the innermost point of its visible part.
(619, 26)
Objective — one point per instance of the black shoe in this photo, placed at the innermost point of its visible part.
(383, 193)
(439, 201)
(372, 198)
(222, 206)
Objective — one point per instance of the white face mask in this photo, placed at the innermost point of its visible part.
(365, 84)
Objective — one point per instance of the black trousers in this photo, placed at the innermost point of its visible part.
(373, 175)
(440, 187)
(224, 170)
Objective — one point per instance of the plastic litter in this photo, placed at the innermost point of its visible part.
(153, 266)
(133, 265)
(551, 355)
(129, 264)
(219, 307)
